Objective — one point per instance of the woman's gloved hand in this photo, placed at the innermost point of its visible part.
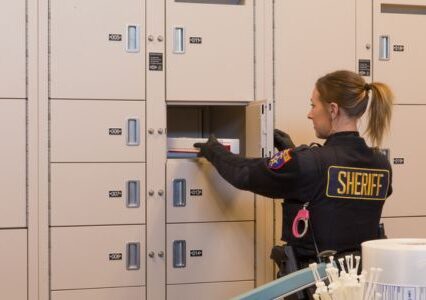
(205, 147)
(282, 140)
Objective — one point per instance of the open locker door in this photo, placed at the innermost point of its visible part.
(259, 143)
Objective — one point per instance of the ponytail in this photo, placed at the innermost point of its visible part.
(379, 113)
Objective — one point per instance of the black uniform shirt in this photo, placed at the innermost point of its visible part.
(344, 181)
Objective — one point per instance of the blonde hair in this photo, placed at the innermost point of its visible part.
(350, 91)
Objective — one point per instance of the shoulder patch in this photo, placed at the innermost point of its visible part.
(280, 159)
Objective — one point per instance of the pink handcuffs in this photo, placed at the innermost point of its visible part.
(302, 215)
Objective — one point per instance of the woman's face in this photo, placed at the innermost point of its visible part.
(320, 116)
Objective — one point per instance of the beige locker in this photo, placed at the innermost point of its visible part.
(197, 193)
(97, 49)
(13, 49)
(210, 252)
(97, 131)
(13, 163)
(210, 56)
(399, 48)
(405, 227)
(97, 257)
(312, 38)
(208, 291)
(14, 274)
(408, 163)
(128, 293)
(97, 194)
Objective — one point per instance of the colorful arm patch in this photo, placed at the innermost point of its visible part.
(279, 159)
(357, 183)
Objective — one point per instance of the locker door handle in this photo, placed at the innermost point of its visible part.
(133, 193)
(179, 192)
(384, 47)
(133, 256)
(178, 40)
(179, 254)
(133, 38)
(133, 132)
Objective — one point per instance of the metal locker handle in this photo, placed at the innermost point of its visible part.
(179, 254)
(178, 40)
(133, 256)
(133, 39)
(384, 47)
(133, 132)
(179, 192)
(133, 194)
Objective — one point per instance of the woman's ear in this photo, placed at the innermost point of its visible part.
(334, 110)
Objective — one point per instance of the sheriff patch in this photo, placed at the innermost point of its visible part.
(357, 183)
(279, 159)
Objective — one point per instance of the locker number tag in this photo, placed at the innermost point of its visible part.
(115, 256)
(114, 37)
(115, 131)
(115, 194)
(195, 40)
(196, 192)
(196, 253)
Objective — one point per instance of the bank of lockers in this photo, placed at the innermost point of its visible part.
(97, 257)
(97, 131)
(205, 252)
(14, 274)
(97, 193)
(210, 56)
(97, 53)
(197, 193)
(13, 163)
(13, 49)
(208, 291)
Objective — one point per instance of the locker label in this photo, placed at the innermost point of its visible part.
(195, 40)
(115, 194)
(196, 192)
(155, 61)
(364, 67)
(398, 161)
(115, 37)
(115, 256)
(398, 48)
(196, 253)
(115, 131)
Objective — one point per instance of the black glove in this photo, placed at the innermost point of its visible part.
(282, 140)
(205, 147)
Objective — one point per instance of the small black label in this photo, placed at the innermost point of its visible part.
(196, 192)
(398, 48)
(398, 161)
(115, 256)
(115, 194)
(115, 37)
(115, 131)
(195, 40)
(196, 253)
(155, 61)
(364, 67)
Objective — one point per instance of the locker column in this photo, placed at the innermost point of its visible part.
(13, 161)
(97, 149)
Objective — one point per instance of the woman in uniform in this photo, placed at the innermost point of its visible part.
(342, 184)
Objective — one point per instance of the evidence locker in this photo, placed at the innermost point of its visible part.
(97, 257)
(97, 194)
(127, 293)
(400, 47)
(197, 193)
(13, 261)
(13, 49)
(210, 56)
(97, 131)
(208, 291)
(324, 41)
(408, 162)
(13, 163)
(210, 252)
(97, 49)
